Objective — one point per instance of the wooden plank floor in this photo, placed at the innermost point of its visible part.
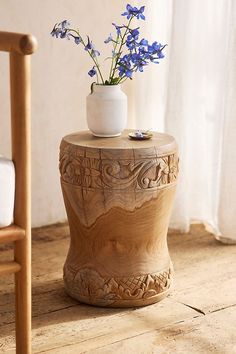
(198, 317)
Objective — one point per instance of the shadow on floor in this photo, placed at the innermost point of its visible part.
(51, 303)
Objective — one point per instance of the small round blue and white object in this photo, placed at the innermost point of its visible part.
(138, 134)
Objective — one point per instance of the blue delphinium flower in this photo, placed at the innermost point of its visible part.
(61, 29)
(143, 42)
(109, 39)
(54, 31)
(134, 33)
(160, 54)
(139, 61)
(155, 52)
(131, 44)
(125, 67)
(90, 46)
(118, 28)
(77, 39)
(65, 24)
(125, 71)
(129, 53)
(92, 72)
(134, 11)
(141, 53)
(154, 48)
(132, 38)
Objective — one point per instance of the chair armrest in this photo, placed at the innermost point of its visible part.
(24, 44)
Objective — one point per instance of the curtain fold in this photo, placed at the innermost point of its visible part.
(150, 89)
(193, 97)
(227, 198)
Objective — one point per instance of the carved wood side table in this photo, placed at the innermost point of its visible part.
(118, 195)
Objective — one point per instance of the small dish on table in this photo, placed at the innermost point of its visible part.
(140, 135)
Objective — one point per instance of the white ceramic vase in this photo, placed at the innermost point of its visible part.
(107, 110)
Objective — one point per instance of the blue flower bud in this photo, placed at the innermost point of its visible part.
(92, 72)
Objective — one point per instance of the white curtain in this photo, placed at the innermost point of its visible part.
(192, 95)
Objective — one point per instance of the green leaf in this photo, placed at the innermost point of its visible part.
(108, 58)
(124, 66)
(91, 87)
(114, 80)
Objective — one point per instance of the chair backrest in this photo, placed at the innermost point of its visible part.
(20, 46)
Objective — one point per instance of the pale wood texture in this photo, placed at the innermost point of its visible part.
(19, 46)
(17, 42)
(9, 267)
(11, 233)
(20, 110)
(197, 317)
(118, 195)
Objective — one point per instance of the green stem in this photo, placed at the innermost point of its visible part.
(112, 63)
(97, 77)
(121, 45)
(122, 79)
(89, 52)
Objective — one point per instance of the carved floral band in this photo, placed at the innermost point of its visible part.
(89, 172)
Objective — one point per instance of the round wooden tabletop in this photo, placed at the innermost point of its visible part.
(160, 143)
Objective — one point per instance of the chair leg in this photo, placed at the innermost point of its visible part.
(23, 296)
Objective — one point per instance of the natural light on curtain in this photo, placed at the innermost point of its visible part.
(193, 97)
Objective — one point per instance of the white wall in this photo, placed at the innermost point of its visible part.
(59, 86)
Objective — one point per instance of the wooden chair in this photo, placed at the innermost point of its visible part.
(20, 47)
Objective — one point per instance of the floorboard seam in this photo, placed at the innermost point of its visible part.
(222, 308)
(193, 308)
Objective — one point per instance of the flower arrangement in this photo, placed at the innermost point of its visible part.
(129, 53)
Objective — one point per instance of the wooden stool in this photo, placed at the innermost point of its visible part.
(118, 195)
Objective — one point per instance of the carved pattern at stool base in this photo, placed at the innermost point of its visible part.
(88, 286)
